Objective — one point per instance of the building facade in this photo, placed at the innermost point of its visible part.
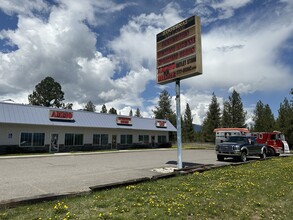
(27, 128)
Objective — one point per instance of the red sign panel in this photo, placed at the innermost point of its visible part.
(123, 121)
(179, 51)
(161, 124)
(60, 115)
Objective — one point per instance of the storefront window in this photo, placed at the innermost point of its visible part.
(69, 138)
(38, 139)
(32, 139)
(78, 139)
(143, 138)
(126, 139)
(162, 139)
(104, 139)
(100, 139)
(96, 139)
(73, 139)
(26, 139)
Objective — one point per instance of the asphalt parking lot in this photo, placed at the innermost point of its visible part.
(42, 176)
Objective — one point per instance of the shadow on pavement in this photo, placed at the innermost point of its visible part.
(185, 164)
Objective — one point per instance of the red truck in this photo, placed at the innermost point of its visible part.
(275, 142)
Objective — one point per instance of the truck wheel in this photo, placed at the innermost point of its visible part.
(243, 156)
(271, 152)
(220, 158)
(263, 155)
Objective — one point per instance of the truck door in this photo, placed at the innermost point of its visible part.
(252, 145)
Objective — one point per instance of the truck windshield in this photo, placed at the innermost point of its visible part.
(236, 139)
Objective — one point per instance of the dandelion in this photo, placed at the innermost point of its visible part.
(60, 207)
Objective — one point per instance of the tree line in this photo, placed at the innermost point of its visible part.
(49, 93)
(232, 115)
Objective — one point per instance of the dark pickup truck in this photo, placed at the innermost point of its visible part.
(239, 147)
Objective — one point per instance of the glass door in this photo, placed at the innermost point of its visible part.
(54, 146)
(114, 141)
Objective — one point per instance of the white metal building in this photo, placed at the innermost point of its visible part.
(27, 128)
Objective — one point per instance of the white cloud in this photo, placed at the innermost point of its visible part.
(136, 44)
(227, 7)
(245, 56)
(242, 88)
(64, 47)
(240, 54)
(212, 10)
(24, 7)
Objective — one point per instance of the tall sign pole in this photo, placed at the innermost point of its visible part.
(179, 135)
(179, 57)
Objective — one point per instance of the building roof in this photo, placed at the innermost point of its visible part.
(38, 115)
(231, 129)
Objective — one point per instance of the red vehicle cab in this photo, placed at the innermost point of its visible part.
(275, 142)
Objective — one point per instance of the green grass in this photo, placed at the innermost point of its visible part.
(258, 190)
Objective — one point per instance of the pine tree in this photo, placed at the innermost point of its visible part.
(233, 113)
(258, 116)
(164, 110)
(285, 120)
(90, 107)
(67, 105)
(212, 120)
(130, 112)
(187, 125)
(237, 111)
(47, 93)
(137, 113)
(263, 117)
(226, 119)
(104, 109)
(270, 124)
(113, 111)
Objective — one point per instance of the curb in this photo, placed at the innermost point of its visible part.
(118, 184)
(81, 153)
(40, 198)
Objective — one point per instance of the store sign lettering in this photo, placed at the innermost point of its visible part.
(161, 124)
(61, 115)
(123, 121)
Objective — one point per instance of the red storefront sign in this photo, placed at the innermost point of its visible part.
(60, 115)
(161, 124)
(123, 121)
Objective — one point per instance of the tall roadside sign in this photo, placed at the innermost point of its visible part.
(179, 51)
(179, 56)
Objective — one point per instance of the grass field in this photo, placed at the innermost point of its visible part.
(258, 190)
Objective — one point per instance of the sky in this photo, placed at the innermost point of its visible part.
(104, 51)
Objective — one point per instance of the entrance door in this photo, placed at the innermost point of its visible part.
(54, 146)
(153, 141)
(114, 141)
